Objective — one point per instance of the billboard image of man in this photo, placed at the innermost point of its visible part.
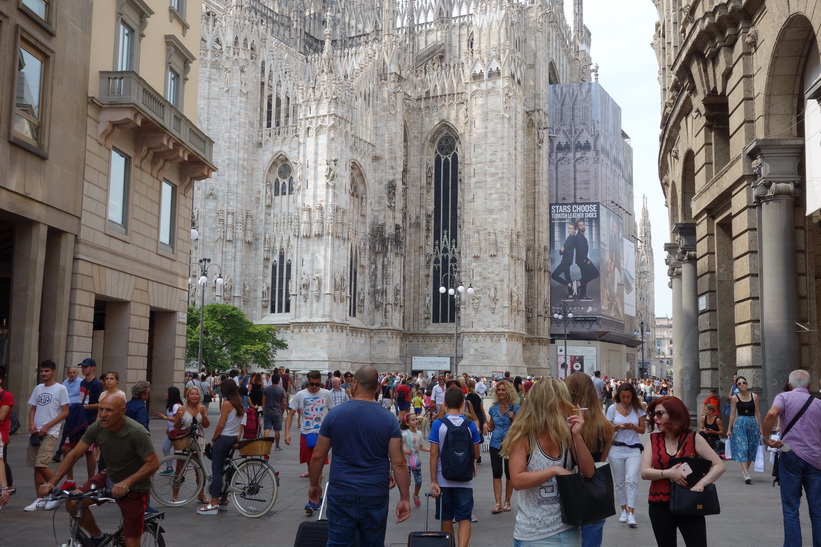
(562, 272)
(588, 269)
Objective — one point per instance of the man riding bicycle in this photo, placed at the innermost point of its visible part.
(130, 460)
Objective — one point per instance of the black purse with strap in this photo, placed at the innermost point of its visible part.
(586, 500)
(776, 478)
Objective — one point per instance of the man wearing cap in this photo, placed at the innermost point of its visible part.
(90, 389)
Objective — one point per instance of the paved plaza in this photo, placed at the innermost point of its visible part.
(750, 515)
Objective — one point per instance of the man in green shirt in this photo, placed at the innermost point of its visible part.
(130, 461)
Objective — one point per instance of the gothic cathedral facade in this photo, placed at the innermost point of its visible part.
(370, 152)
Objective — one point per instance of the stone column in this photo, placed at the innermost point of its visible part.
(687, 372)
(26, 307)
(776, 166)
(56, 293)
(674, 271)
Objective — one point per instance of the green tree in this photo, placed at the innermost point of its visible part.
(229, 339)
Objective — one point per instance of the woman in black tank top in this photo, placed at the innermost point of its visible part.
(711, 427)
(745, 427)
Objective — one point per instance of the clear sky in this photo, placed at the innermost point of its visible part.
(622, 33)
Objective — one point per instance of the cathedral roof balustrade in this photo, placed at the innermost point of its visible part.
(128, 101)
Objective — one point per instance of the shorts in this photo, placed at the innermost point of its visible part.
(454, 503)
(2, 448)
(570, 538)
(418, 410)
(403, 405)
(40, 456)
(387, 403)
(274, 422)
(305, 453)
(132, 505)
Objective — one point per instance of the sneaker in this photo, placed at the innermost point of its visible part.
(35, 505)
(631, 520)
(68, 485)
(747, 478)
(277, 448)
(585, 299)
(310, 507)
(623, 517)
(167, 472)
(50, 505)
(473, 518)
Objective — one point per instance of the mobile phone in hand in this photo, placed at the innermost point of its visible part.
(685, 469)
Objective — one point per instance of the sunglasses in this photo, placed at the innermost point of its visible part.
(658, 413)
(314, 384)
(741, 383)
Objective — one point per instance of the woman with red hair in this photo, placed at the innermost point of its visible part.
(675, 439)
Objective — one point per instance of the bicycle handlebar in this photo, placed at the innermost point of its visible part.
(102, 494)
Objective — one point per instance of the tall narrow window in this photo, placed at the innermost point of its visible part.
(168, 207)
(352, 283)
(40, 8)
(269, 111)
(172, 87)
(29, 94)
(280, 280)
(445, 225)
(118, 183)
(125, 51)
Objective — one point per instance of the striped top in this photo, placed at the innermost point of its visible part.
(660, 459)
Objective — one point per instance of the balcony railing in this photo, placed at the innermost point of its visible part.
(127, 88)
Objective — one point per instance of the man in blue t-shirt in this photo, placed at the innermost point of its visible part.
(367, 443)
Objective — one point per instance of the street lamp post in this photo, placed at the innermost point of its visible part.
(642, 333)
(456, 293)
(204, 264)
(564, 315)
(447, 258)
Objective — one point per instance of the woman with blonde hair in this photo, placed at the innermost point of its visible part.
(539, 444)
(504, 406)
(597, 433)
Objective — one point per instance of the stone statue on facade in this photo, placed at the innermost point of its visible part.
(330, 172)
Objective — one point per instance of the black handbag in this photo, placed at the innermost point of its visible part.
(684, 502)
(585, 501)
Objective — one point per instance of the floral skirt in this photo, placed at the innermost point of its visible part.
(745, 438)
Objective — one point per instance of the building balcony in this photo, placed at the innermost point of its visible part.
(127, 102)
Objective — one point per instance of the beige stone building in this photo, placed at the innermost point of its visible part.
(43, 89)
(739, 166)
(102, 152)
(143, 154)
(373, 151)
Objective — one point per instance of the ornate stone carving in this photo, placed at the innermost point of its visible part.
(304, 285)
(390, 191)
(266, 291)
(229, 226)
(330, 172)
(246, 292)
(228, 287)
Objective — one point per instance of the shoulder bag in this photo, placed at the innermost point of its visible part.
(685, 502)
(585, 501)
(776, 478)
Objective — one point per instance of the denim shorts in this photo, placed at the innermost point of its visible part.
(454, 503)
(272, 422)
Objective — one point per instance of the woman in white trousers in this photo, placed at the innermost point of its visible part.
(625, 455)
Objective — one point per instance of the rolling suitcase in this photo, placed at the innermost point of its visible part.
(314, 533)
(429, 538)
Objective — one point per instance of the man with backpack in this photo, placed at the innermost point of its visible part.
(402, 395)
(454, 446)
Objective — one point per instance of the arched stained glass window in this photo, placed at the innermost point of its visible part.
(445, 224)
(280, 281)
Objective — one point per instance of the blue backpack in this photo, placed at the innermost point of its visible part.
(456, 454)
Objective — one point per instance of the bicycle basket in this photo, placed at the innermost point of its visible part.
(179, 439)
(256, 447)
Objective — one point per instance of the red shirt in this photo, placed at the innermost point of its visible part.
(660, 488)
(6, 399)
(402, 389)
(713, 401)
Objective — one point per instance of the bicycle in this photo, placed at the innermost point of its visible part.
(249, 480)
(152, 533)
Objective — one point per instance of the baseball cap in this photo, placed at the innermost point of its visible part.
(88, 362)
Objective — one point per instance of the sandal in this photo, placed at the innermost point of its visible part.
(209, 510)
(496, 509)
(416, 501)
(303, 476)
(506, 507)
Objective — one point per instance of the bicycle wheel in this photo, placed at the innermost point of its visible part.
(253, 488)
(152, 536)
(182, 485)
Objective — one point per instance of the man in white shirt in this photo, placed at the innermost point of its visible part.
(438, 393)
(481, 388)
(49, 407)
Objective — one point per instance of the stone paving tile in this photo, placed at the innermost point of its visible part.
(751, 513)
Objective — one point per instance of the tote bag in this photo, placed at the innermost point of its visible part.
(585, 501)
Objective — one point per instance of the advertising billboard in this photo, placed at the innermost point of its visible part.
(578, 359)
(612, 267)
(575, 255)
(629, 277)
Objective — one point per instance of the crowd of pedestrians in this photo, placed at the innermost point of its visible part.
(397, 430)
